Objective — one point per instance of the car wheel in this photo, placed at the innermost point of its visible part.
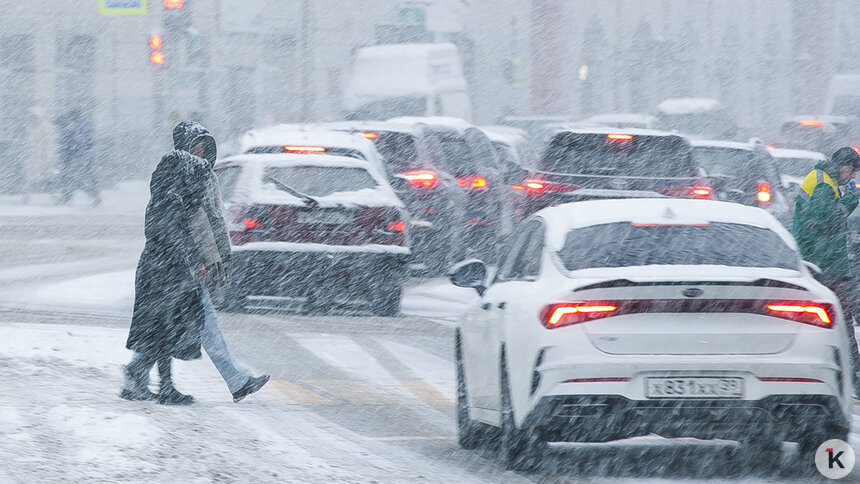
(519, 449)
(469, 432)
(387, 300)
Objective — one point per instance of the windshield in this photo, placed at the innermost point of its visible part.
(597, 154)
(623, 244)
(319, 181)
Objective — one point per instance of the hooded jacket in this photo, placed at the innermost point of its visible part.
(820, 223)
(168, 305)
(185, 136)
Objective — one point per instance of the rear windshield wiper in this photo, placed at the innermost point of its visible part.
(309, 201)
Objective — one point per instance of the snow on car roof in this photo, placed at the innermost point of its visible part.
(456, 124)
(609, 130)
(293, 134)
(249, 187)
(688, 105)
(712, 143)
(621, 118)
(791, 153)
(563, 218)
(505, 134)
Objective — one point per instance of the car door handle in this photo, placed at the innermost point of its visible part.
(502, 305)
(486, 306)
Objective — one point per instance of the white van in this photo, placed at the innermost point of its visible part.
(843, 97)
(407, 80)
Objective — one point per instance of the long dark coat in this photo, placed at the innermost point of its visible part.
(168, 306)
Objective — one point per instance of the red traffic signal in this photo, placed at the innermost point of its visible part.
(173, 4)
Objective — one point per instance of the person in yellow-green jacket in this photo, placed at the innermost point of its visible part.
(820, 226)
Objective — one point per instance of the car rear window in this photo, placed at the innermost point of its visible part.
(453, 154)
(318, 181)
(624, 244)
(398, 151)
(597, 154)
(727, 161)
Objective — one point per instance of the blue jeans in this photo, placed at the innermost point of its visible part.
(234, 373)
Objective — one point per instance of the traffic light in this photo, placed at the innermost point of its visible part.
(156, 56)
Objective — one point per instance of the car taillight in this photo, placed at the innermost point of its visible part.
(763, 192)
(251, 223)
(535, 187)
(619, 137)
(370, 135)
(816, 314)
(701, 192)
(812, 123)
(304, 149)
(807, 312)
(424, 179)
(395, 226)
(565, 314)
(473, 182)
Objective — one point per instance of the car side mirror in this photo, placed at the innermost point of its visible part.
(813, 268)
(469, 273)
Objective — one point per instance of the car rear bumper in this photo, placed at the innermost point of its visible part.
(287, 273)
(600, 418)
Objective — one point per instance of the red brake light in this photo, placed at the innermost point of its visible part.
(534, 187)
(804, 312)
(811, 123)
(396, 226)
(425, 179)
(304, 149)
(770, 147)
(370, 135)
(687, 192)
(856, 149)
(564, 314)
(251, 223)
(763, 192)
(620, 137)
(475, 182)
(155, 42)
(157, 57)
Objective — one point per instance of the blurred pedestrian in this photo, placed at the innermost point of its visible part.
(39, 153)
(825, 200)
(76, 162)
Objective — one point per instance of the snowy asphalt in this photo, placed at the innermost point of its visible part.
(354, 398)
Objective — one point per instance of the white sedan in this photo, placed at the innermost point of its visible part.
(612, 319)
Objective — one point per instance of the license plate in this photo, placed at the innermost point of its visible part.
(325, 217)
(694, 387)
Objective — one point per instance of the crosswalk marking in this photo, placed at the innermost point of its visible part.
(288, 392)
(355, 392)
(424, 391)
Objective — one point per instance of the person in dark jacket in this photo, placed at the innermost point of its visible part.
(820, 226)
(168, 314)
(75, 156)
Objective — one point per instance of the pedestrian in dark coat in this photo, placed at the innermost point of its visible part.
(168, 308)
(75, 153)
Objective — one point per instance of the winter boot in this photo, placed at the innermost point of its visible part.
(135, 386)
(253, 384)
(167, 393)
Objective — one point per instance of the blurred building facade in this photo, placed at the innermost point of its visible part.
(237, 64)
